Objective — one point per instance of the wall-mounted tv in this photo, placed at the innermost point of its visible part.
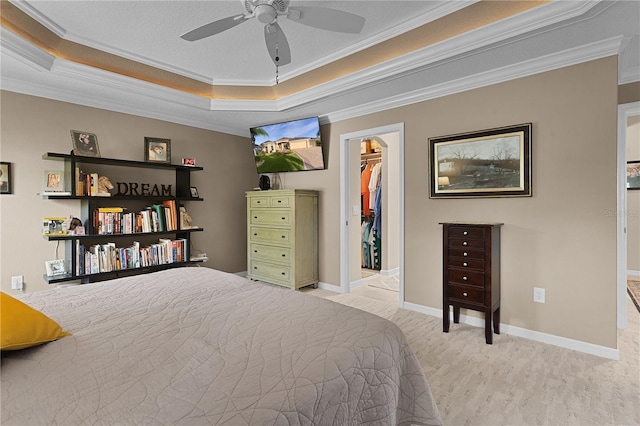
(289, 146)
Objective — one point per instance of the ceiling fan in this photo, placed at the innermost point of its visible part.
(268, 11)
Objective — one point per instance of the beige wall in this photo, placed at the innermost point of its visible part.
(629, 92)
(560, 239)
(31, 126)
(633, 199)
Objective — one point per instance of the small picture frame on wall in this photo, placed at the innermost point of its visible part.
(85, 144)
(5, 178)
(194, 192)
(53, 181)
(633, 174)
(157, 150)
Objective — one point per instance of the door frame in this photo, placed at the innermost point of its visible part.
(624, 112)
(345, 207)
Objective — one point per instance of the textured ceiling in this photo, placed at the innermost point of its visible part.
(128, 55)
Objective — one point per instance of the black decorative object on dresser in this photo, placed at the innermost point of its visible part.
(145, 219)
(471, 272)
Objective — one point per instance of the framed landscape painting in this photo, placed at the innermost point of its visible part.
(633, 175)
(486, 163)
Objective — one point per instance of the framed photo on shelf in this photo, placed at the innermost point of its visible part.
(53, 181)
(54, 225)
(85, 144)
(633, 174)
(157, 150)
(5, 178)
(486, 163)
(194, 192)
(55, 267)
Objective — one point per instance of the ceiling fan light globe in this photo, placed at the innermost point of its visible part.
(265, 13)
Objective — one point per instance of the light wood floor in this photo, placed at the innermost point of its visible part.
(515, 381)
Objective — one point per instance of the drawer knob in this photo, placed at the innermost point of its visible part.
(284, 236)
(283, 218)
(465, 233)
(465, 264)
(255, 235)
(465, 294)
(255, 251)
(283, 273)
(255, 217)
(255, 267)
(279, 201)
(464, 243)
(284, 255)
(465, 278)
(464, 254)
(258, 201)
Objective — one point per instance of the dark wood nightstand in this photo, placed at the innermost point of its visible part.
(471, 272)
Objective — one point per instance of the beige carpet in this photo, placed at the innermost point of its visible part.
(515, 381)
(633, 288)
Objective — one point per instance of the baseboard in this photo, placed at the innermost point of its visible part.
(331, 287)
(389, 272)
(241, 273)
(356, 283)
(631, 273)
(563, 342)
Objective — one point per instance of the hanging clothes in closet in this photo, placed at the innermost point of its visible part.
(371, 226)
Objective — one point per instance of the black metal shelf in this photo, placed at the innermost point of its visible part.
(55, 279)
(90, 203)
(133, 234)
(118, 162)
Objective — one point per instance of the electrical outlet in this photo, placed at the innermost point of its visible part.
(538, 295)
(16, 282)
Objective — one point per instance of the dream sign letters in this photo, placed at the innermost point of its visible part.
(144, 189)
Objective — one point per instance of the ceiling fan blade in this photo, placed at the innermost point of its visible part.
(327, 19)
(277, 44)
(214, 27)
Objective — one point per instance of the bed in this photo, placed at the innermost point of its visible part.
(199, 346)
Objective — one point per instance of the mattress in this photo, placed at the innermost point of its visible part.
(199, 346)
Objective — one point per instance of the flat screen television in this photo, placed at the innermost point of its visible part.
(289, 146)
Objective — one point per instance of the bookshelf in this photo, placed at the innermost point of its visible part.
(132, 249)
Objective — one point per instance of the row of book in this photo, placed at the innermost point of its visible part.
(154, 218)
(87, 184)
(107, 257)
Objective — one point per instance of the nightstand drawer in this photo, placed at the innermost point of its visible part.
(269, 271)
(464, 263)
(471, 295)
(270, 253)
(466, 243)
(462, 252)
(460, 276)
(270, 235)
(465, 232)
(270, 217)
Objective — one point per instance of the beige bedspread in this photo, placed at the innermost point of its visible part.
(199, 346)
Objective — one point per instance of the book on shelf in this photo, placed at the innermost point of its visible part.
(108, 257)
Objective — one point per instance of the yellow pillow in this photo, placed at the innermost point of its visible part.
(21, 326)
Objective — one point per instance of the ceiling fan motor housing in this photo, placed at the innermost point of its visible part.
(278, 6)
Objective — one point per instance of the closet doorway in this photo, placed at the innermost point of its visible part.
(373, 237)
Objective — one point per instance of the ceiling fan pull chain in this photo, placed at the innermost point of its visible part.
(277, 56)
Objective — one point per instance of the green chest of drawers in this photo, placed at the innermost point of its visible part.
(282, 237)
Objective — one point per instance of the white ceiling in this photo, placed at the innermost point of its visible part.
(550, 36)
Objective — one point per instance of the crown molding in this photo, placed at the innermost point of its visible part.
(565, 58)
(443, 9)
(24, 51)
(42, 19)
